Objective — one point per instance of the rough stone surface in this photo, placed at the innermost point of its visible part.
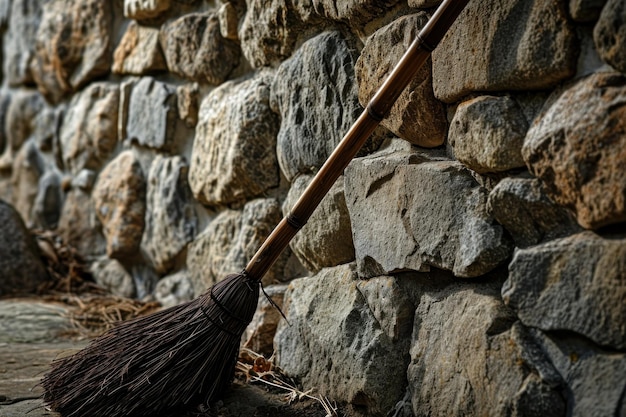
(139, 51)
(585, 10)
(487, 134)
(171, 221)
(73, 45)
(416, 116)
(21, 268)
(88, 134)
(259, 335)
(609, 34)
(409, 211)
(32, 321)
(174, 289)
(525, 211)
(188, 99)
(468, 358)
(234, 157)
(354, 12)
(48, 202)
(229, 21)
(28, 168)
(577, 283)
(120, 200)
(152, 114)
(195, 49)
(336, 344)
(19, 124)
(321, 71)
(145, 9)
(111, 275)
(326, 239)
(579, 151)
(515, 44)
(423, 4)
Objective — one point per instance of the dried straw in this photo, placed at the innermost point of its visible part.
(158, 364)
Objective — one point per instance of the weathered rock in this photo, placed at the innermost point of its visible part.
(270, 29)
(321, 71)
(111, 275)
(522, 207)
(594, 377)
(514, 44)
(174, 289)
(468, 358)
(188, 98)
(609, 34)
(326, 239)
(19, 40)
(21, 267)
(416, 116)
(152, 114)
(409, 211)
(145, 9)
(24, 321)
(84, 180)
(229, 21)
(5, 101)
(171, 221)
(139, 51)
(487, 134)
(79, 225)
(47, 128)
(230, 241)
(336, 344)
(259, 335)
(145, 279)
(48, 202)
(233, 157)
(119, 197)
(195, 49)
(577, 283)
(354, 12)
(88, 134)
(22, 108)
(28, 167)
(578, 151)
(585, 10)
(73, 45)
(423, 4)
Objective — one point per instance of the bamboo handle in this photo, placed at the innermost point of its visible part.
(376, 110)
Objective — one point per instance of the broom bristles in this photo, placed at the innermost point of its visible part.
(168, 361)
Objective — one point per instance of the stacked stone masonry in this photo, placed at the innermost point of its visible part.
(470, 262)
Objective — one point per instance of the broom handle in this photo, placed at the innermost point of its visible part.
(378, 107)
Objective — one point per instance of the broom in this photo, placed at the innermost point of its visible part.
(183, 356)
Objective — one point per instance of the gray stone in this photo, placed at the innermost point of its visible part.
(469, 359)
(416, 116)
(73, 45)
(578, 151)
(525, 211)
(22, 108)
(585, 10)
(174, 289)
(577, 283)
(354, 12)
(145, 9)
(487, 134)
(152, 114)
(609, 34)
(233, 157)
(259, 335)
(21, 267)
(48, 202)
(120, 200)
(321, 71)
(88, 134)
(410, 211)
(326, 239)
(28, 168)
(19, 40)
(26, 321)
(139, 52)
(336, 344)
(423, 4)
(514, 44)
(111, 275)
(171, 221)
(195, 49)
(84, 180)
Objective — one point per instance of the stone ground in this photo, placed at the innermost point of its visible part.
(33, 333)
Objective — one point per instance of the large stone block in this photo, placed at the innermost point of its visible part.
(416, 116)
(195, 49)
(120, 200)
(609, 34)
(139, 51)
(577, 283)
(410, 211)
(578, 151)
(171, 221)
(73, 45)
(234, 151)
(514, 45)
(334, 341)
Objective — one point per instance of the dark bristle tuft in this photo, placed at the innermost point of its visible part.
(171, 360)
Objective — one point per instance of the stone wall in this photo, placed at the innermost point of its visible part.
(470, 262)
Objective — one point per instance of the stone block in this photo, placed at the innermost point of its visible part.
(174, 289)
(145, 9)
(139, 51)
(111, 275)
(609, 34)
(585, 10)
(356, 13)
(19, 40)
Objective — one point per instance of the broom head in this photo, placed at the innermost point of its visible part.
(163, 363)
